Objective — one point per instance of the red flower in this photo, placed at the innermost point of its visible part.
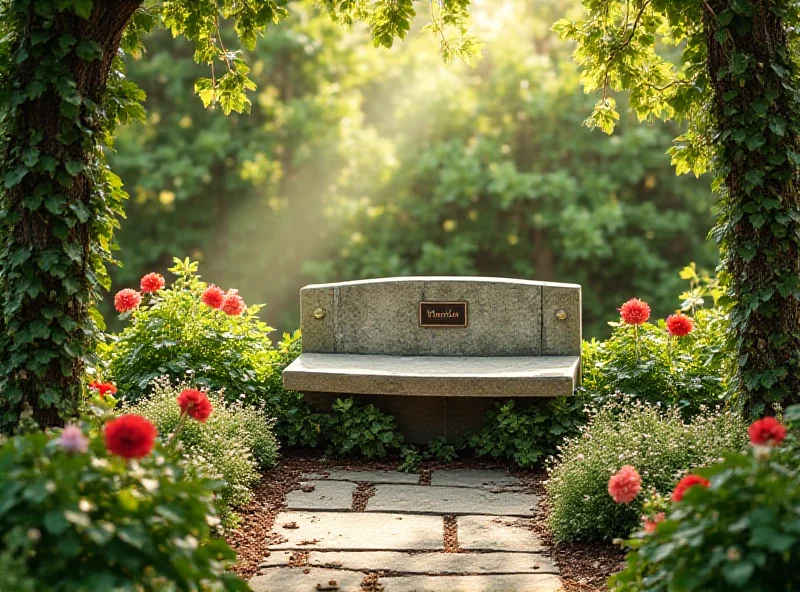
(127, 300)
(635, 312)
(213, 296)
(130, 436)
(651, 525)
(625, 485)
(195, 404)
(152, 282)
(103, 388)
(687, 483)
(679, 324)
(767, 432)
(233, 303)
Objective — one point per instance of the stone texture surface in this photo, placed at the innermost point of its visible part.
(505, 583)
(561, 337)
(326, 495)
(382, 316)
(428, 563)
(493, 533)
(450, 500)
(356, 531)
(543, 376)
(364, 476)
(292, 579)
(484, 479)
(317, 333)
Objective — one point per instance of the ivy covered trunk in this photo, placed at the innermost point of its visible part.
(59, 202)
(757, 120)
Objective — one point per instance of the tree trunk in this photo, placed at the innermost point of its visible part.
(757, 123)
(45, 324)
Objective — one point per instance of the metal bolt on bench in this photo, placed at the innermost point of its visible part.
(437, 352)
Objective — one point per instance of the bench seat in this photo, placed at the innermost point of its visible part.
(511, 376)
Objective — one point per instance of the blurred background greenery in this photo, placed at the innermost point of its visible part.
(357, 162)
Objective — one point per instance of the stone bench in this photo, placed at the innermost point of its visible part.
(454, 344)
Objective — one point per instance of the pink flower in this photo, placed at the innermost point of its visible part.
(213, 296)
(127, 300)
(233, 304)
(625, 485)
(152, 282)
(767, 432)
(679, 324)
(651, 525)
(73, 440)
(635, 312)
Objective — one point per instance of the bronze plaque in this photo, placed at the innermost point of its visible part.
(442, 314)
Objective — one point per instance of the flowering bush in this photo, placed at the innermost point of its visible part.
(74, 516)
(734, 525)
(686, 371)
(181, 331)
(229, 444)
(659, 444)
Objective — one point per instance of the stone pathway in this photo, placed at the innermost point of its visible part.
(465, 532)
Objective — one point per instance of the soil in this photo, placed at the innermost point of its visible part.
(585, 567)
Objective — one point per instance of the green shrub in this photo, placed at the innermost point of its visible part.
(231, 445)
(741, 533)
(442, 450)
(658, 443)
(173, 334)
(525, 432)
(71, 522)
(296, 424)
(687, 372)
(363, 429)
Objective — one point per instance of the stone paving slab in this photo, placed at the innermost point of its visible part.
(429, 563)
(357, 531)
(474, 478)
(292, 579)
(368, 476)
(414, 499)
(503, 583)
(492, 533)
(326, 495)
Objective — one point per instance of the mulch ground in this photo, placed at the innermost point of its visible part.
(584, 566)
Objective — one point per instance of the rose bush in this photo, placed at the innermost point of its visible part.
(192, 330)
(78, 511)
(734, 525)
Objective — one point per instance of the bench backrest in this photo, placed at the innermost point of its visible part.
(504, 317)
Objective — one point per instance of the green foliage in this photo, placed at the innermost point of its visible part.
(658, 443)
(686, 372)
(410, 459)
(64, 90)
(175, 334)
(89, 521)
(366, 164)
(739, 534)
(296, 424)
(442, 450)
(709, 65)
(364, 429)
(230, 445)
(524, 433)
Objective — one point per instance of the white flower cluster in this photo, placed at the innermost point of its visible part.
(229, 446)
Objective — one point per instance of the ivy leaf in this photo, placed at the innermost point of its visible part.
(15, 175)
(83, 8)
